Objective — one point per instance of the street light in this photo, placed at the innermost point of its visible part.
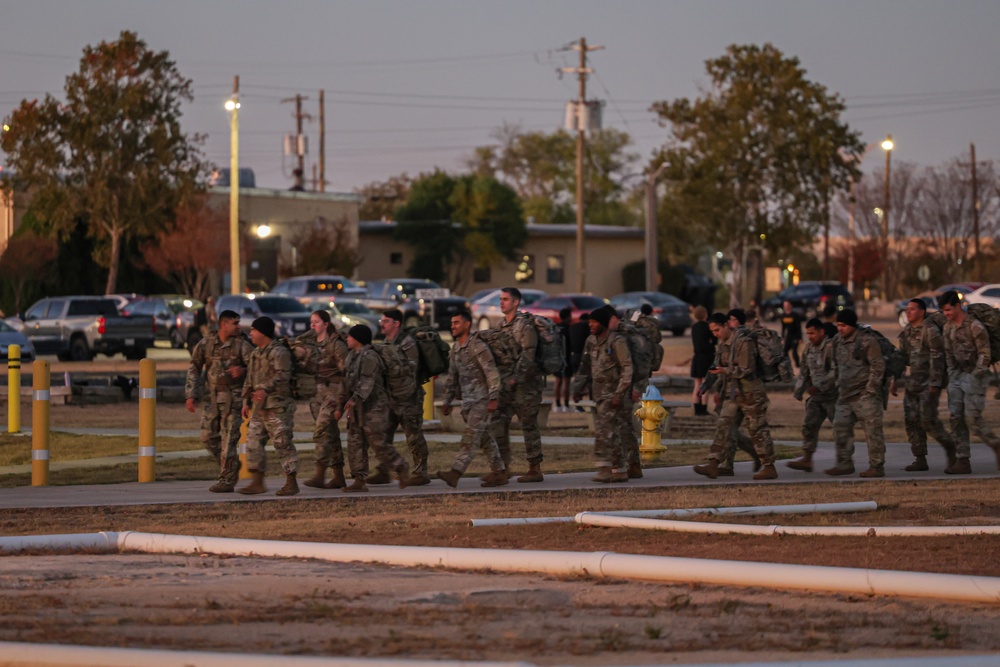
(233, 107)
(887, 146)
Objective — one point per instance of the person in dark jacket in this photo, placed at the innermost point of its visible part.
(564, 376)
(791, 331)
(578, 333)
(704, 351)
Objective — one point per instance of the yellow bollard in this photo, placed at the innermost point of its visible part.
(652, 414)
(244, 429)
(40, 423)
(14, 389)
(429, 400)
(147, 420)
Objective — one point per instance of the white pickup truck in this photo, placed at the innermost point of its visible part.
(77, 327)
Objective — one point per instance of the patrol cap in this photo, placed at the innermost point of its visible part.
(264, 325)
(361, 333)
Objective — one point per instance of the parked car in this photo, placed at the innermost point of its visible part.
(346, 313)
(77, 327)
(401, 293)
(988, 294)
(579, 303)
(808, 299)
(9, 335)
(319, 289)
(672, 313)
(291, 317)
(164, 308)
(486, 310)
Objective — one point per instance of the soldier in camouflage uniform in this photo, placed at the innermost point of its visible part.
(606, 369)
(221, 360)
(268, 393)
(367, 412)
(744, 397)
(521, 393)
(641, 371)
(860, 369)
(410, 413)
(818, 379)
(967, 351)
(923, 345)
(331, 346)
(473, 378)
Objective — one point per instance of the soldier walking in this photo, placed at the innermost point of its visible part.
(473, 378)
(218, 367)
(268, 391)
(332, 349)
(641, 355)
(818, 379)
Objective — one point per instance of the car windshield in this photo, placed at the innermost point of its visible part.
(587, 302)
(4, 327)
(528, 298)
(280, 304)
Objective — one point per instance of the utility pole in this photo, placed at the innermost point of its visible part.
(322, 143)
(582, 73)
(300, 141)
(975, 214)
(235, 286)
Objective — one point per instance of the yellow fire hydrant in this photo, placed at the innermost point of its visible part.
(652, 414)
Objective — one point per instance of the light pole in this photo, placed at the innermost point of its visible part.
(652, 250)
(887, 146)
(233, 106)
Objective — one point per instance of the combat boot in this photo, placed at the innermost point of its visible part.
(534, 474)
(919, 465)
(949, 451)
(840, 469)
(451, 476)
(291, 486)
(404, 476)
(255, 486)
(803, 463)
(709, 469)
(318, 480)
(498, 478)
(337, 481)
(766, 472)
(751, 452)
(603, 475)
(381, 476)
(619, 476)
(961, 467)
(634, 471)
(221, 487)
(726, 472)
(357, 486)
(873, 472)
(419, 480)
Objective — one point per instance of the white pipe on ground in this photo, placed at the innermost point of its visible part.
(79, 541)
(602, 519)
(751, 510)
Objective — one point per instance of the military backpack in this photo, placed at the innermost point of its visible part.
(639, 350)
(773, 365)
(650, 326)
(501, 347)
(550, 354)
(433, 352)
(305, 363)
(399, 372)
(895, 360)
(990, 317)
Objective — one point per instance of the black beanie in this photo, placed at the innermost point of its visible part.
(602, 315)
(361, 333)
(265, 325)
(848, 317)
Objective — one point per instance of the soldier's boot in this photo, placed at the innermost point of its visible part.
(357, 486)
(919, 465)
(960, 467)
(451, 476)
(840, 469)
(803, 463)
(291, 486)
(709, 469)
(726, 472)
(337, 481)
(508, 469)
(255, 486)
(221, 487)
(751, 452)
(603, 475)
(634, 471)
(949, 451)
(534, 474)
(619, 476)
(418, 479)
(498, 478)
(767, 471)
(381, 476)
(404, 476)
(996, 450)
(873, 472)
(318, 480)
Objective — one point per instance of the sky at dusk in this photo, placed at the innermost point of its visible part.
(415, 85)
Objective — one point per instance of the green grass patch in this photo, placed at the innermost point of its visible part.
(16, 449)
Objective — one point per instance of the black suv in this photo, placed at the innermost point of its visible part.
(808, 299)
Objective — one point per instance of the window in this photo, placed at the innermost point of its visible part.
(37, 311)
(525, 272)
(481, 274)
(395, 258)
(555, 270)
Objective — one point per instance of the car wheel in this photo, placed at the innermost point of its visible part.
(78, 350)
(679, 331)
(484, 324)
(902, 319)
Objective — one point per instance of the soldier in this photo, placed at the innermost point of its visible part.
(408, 414)
(923, 345)
(744, 397)
(967, 351)
(367, 412)
(830, 320)
(332, 349)
(521, 393)
(860, 370)
(223, 356)
(817, 378)
(640, 380)
(606, 369)
(268, 390)
(473, 378)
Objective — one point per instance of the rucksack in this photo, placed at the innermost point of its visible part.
(638, 348)
(550, 354)
(936, 319)
(895, 361)
(399, 372)
(501, 347)
(433, 352)
(773, 365)
(990, 317)
(650, 326)
(305, 362)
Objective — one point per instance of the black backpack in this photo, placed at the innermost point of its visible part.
(433, 352)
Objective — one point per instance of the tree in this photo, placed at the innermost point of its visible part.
(382, 198)
(24, 260)
(456, 224)
(756, 159)
(113, 152)
(325, 247)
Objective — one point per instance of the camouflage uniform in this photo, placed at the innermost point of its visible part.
(410, 414)
(817, 370)
(923, 346)
(745, 400)
(473, 378)
(606, 369)
(329, 396)
(967, 350)
(220, 397)
(271, 370)
(860, 371)
(369, 418)
(525, 398)
(738, 439)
